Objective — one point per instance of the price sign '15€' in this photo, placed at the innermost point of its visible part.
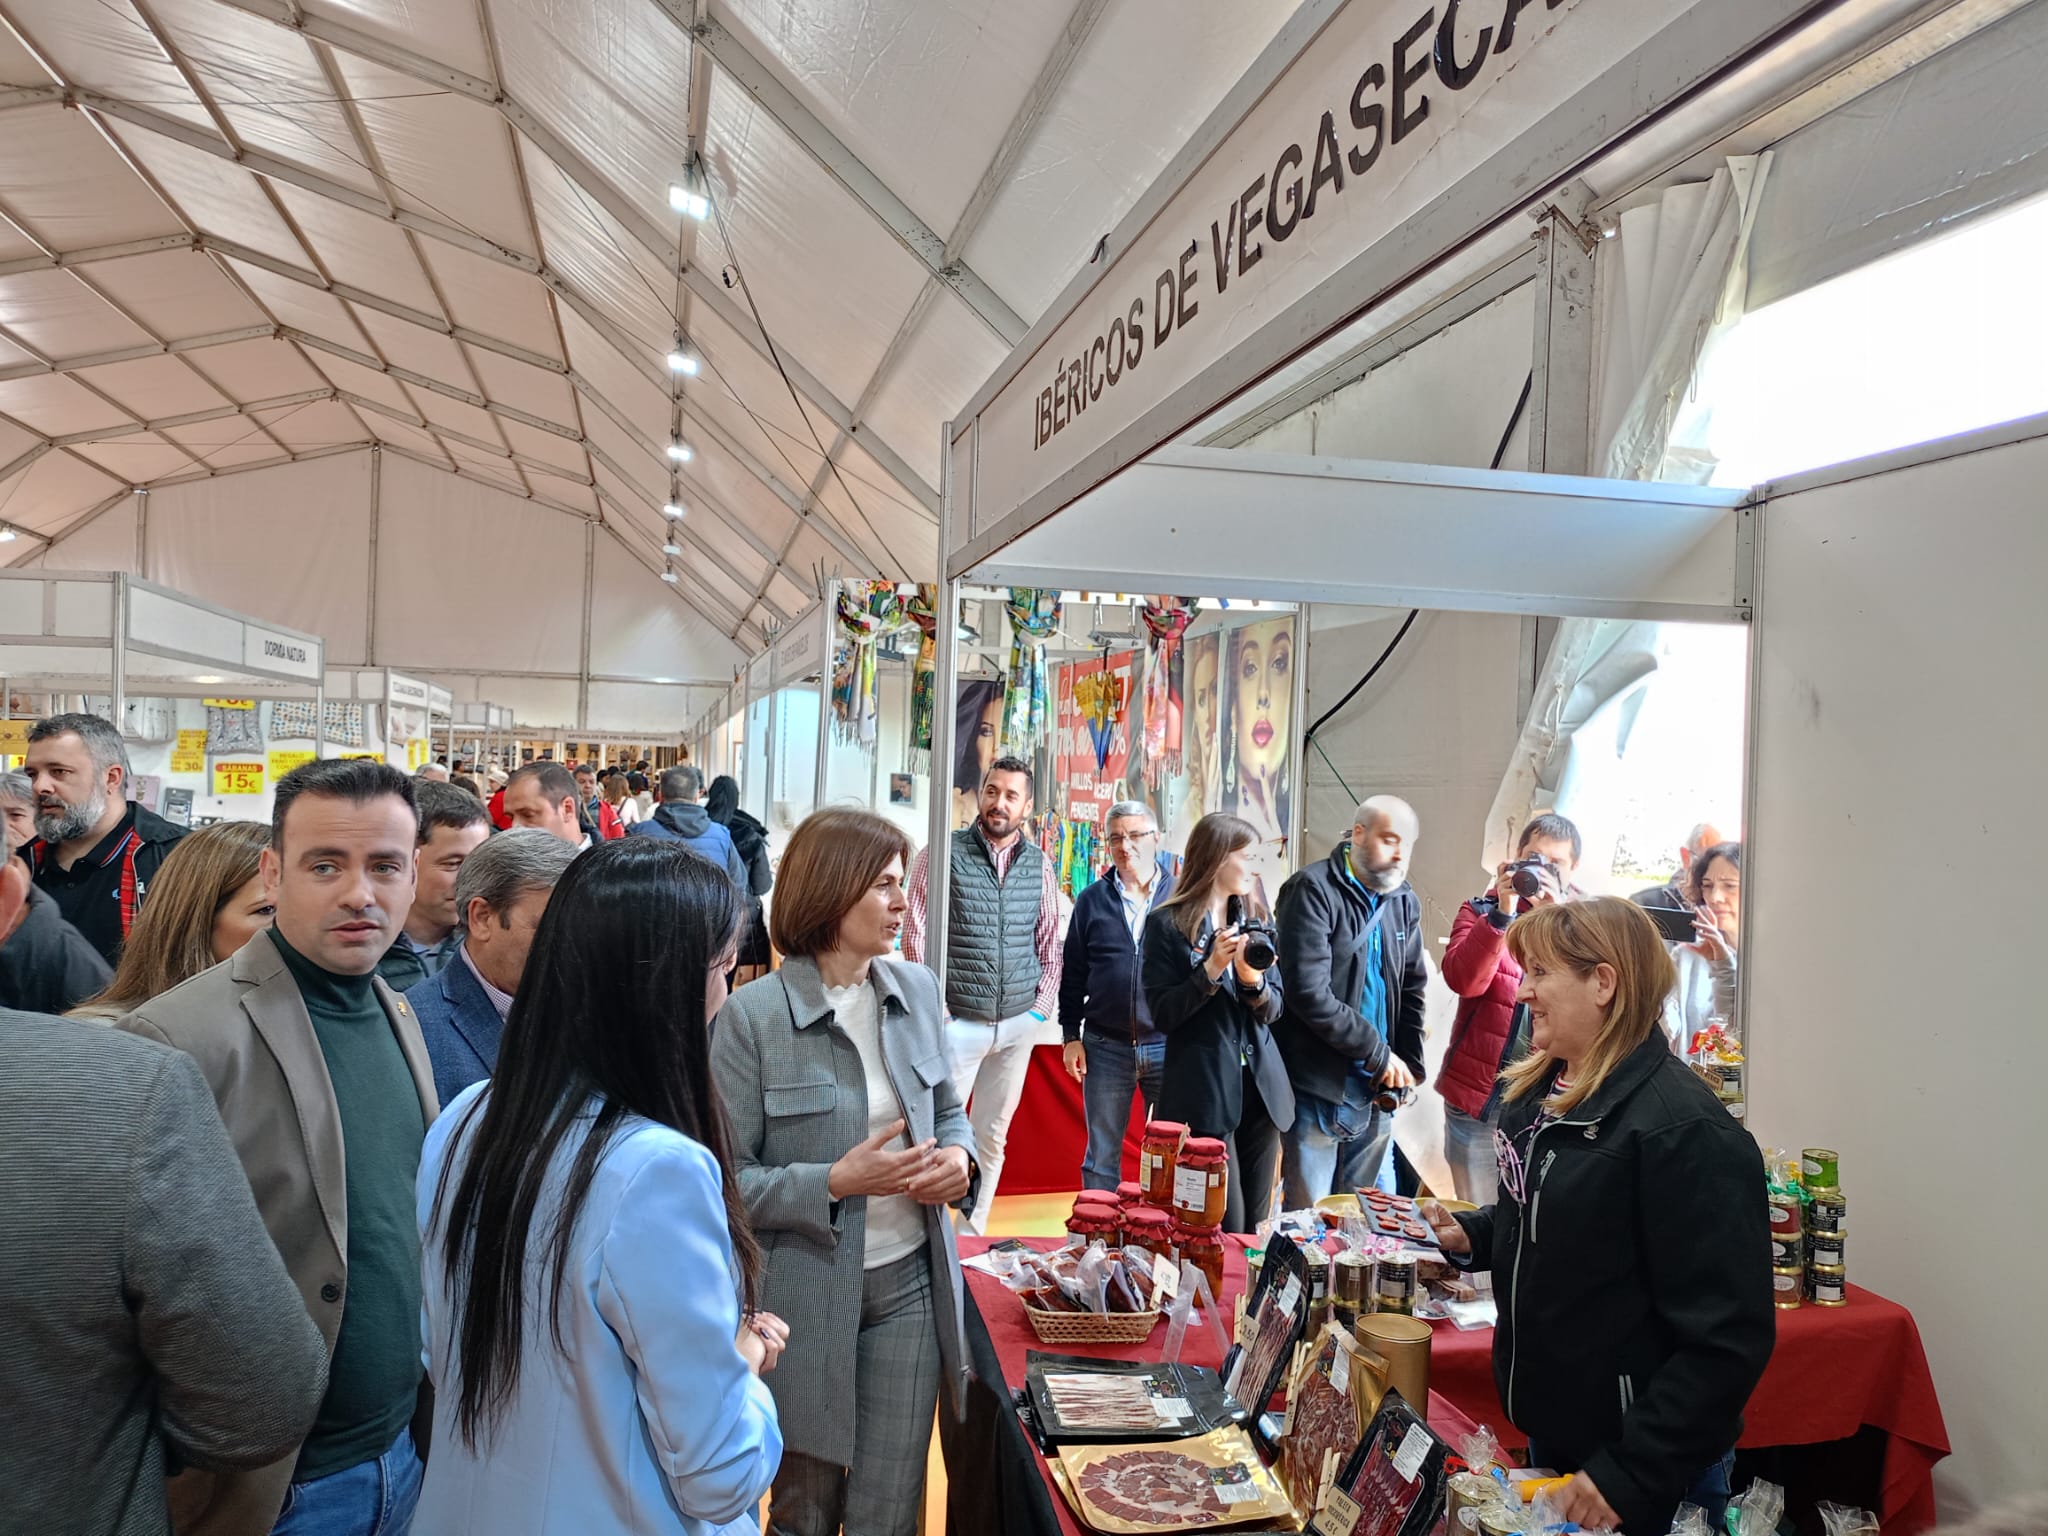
(238, 778)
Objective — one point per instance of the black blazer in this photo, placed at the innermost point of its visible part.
(1216, 1035)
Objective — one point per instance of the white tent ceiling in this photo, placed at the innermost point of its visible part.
(238, 232)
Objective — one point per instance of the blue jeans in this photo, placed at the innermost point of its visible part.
(1711, 1490)
(1468, 1148)
(1334, 1149)
(1115, 1069)
(373, 1498)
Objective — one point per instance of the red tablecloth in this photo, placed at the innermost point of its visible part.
(1835, 1370)
(1010, 1332)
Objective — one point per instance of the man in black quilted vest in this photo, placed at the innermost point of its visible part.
(1002, 960)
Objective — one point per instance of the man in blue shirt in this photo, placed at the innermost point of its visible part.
(1110, 1044)
(1351, 951)
(679, 818)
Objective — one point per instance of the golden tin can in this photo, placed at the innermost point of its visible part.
(1826, 1249)
(1788, 1285)
(1500, 1520)
(1788, 1250)
(1474, 1491)
(1828, 1212)
(1827, 1285)
(1393, 1285)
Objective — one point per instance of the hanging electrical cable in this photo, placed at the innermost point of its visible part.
(1499, 453)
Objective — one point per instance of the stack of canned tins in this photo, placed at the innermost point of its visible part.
(1827, 1222)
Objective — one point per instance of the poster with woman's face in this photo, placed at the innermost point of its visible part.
(1258, 699)
(1201, 736)
(976, 714)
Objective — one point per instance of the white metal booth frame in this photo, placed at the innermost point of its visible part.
(90, 632)
(396, 693)
(1861, 586)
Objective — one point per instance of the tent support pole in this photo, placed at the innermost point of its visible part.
(583, 652)
(376, 517)
(1561, 383)
(945, 695)
(120, 656)
(1297, 815)
(826, 609)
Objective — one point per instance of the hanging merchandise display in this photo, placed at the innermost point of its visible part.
(231, 726)
(292, 720)
(1034, 615)
(922, 609)
(865, 610)
(1166, 619)
(1101, 696)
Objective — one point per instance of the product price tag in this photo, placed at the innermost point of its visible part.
(1190, 1188)
(1165, 1279)
(1236, 1372)
(1414, 1450)
(1290, 1293)
(283, 762)
(229, 703)
(1340, 1515)
(1172, 1410)
(1236, 1493)
(1340, 1369)
(189, 755)
(238, 778)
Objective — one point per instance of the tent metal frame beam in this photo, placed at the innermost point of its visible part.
(580, 173)
(846, 168)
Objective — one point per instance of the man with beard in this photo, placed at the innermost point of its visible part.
(1003, 960)
(94, 853)
(1351, 950)
(324, 1081)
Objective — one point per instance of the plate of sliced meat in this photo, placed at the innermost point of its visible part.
(1202, 1483)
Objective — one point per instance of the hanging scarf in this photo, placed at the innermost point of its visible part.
(1034, 614)
(923, 610)
(865, 609)
(1166, 620)
(1100, 697)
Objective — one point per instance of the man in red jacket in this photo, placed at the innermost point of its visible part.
(1478, 967)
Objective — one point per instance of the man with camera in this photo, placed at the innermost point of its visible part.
(1351, 952)
(1478, 967)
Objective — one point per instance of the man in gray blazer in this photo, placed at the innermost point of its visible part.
(145, 1316)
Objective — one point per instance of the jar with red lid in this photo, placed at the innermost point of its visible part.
(1091, 1222)
(1201, 1182)
(1203, 1248)
(1151, 1230)
(1157, 1155)
(1130, 1193)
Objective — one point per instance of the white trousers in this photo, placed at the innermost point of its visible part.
(989, 1063)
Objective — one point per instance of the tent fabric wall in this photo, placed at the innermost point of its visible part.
(470, 581)
(285, 545)
(107, 543)
(1962, 134)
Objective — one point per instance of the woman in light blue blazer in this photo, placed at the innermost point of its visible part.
(590, 1274)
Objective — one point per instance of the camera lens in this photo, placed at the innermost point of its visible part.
(1526, 881)
(1258, 953)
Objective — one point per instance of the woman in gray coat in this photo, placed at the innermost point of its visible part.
(851, 1143)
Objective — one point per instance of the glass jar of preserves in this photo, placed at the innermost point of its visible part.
(1091, 1221)
(1150, 1230)
(1203, 1248)
(1201, 1182)
(1157, 1155)
(1130, 1193)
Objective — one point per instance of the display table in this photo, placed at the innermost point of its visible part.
(1835, 1372)
(997, 1481)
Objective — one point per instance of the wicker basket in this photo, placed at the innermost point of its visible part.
(1091, 1327)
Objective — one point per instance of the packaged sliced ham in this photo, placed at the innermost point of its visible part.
(1205, 1483)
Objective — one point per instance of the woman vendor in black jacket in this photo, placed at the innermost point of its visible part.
(1635, 1308)
(1223, 1075)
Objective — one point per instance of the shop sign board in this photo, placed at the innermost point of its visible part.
(237, 778)
(1396, 133)
(274, 651)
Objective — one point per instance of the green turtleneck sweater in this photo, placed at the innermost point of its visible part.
(373, 1379)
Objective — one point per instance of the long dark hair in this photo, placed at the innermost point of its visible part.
(611, 1006)
(722, 799)
(1213, 839)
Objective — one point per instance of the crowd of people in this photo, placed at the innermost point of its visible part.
(510, 1073)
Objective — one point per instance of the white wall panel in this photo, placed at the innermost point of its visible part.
(286, 545)
(1899, 646)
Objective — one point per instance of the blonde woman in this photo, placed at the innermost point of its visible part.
(1635, 1309)
(205, 903)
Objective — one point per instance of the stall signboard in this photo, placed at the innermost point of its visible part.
(14, 737)
(229, 703)
(272, 650)
(237, 778)
(284, 761)
(374, 757)
(1324, 183)
(416, 753)
(189, 754)
(1091, 780)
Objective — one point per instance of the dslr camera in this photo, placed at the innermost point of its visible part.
(1526, 875)
(1262, 943)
